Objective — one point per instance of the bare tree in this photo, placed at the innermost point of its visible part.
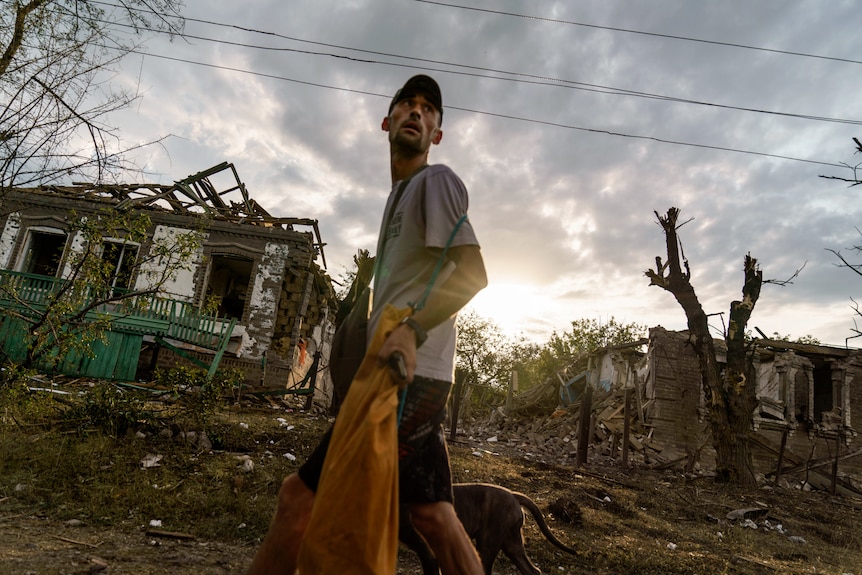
(55, 97)
(729, 391)
(854, 180)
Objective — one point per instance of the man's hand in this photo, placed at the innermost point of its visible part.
(400, 340)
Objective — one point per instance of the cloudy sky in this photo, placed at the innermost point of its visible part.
(570, 123)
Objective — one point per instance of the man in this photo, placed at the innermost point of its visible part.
(421, 224)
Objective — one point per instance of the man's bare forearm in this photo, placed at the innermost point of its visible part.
(466, 280)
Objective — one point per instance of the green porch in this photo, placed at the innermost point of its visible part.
(167, 321)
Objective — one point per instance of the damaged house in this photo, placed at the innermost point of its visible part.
(251, 294)
(803, 429)
(807, 396)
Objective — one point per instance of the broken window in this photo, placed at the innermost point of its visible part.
(775, 388)
(42, 253)
(825, 398)
(119, 258)
(229, 278)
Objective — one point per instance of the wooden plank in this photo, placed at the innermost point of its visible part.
(127, 366)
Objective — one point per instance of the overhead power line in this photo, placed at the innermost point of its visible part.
(519, 77)
(642, 33)
(491, 114)
(548, 81)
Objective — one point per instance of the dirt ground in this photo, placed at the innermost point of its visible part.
(621, 522)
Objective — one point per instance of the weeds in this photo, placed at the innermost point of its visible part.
(82, 458)
(198, 398)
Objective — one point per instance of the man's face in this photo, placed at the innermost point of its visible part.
(413, 125)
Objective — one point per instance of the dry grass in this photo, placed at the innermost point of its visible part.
(640, 522)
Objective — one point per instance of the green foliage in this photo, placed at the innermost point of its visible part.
(185, 395)
(111, 409)
(589, 335)
(198, 398)
(482, 350)
(585, 336)
(488, 357)
(806, 339)
(18, 402)
(78, 310)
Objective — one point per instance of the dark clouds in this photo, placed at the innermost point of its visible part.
(559, 205)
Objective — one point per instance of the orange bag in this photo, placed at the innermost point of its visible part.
(354, 523)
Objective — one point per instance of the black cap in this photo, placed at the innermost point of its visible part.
(420, 84)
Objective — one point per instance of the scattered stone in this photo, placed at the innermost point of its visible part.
(151, 460)
(749, 513)
(97, 565)
(204, 442)
(247, 465)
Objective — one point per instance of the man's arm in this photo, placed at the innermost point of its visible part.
(445, 300)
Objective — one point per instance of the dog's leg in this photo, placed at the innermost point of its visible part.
(513, 544)
(488, 551)
(514, 550)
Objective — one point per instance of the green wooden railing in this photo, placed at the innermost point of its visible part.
(135, 316)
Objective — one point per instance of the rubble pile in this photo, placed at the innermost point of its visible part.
(553, 437)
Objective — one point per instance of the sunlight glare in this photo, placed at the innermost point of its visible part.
(510, 306)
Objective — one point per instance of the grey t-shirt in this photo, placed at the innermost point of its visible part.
(429, 208)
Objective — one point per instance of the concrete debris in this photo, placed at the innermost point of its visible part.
(749, 513)
(151, 460)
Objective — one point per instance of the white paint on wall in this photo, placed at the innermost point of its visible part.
(267, 285)
(8, 237)
(76, 247)
(266, 293)
(181, 285)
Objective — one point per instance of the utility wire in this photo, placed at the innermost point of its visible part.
(491, 114)
(519, 77)
(640, 32)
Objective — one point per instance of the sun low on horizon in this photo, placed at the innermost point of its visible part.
(518, 309)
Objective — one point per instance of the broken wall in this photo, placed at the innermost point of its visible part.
(673, 389)
(786, 383)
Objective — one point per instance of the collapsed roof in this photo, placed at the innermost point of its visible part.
(192, 196)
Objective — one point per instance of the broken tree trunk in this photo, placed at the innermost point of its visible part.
(731, 398)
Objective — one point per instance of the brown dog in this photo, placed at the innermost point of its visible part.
(493, 517)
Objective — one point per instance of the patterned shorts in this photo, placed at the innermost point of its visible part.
(423, 458)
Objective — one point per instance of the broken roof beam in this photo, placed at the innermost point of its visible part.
(191, 194)
(241, 187)
(803, 347)
(255, 208)
(207, 191)
(199, 186)
(166, 194)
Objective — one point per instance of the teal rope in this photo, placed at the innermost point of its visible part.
(401, 402)
(421, 304)
(438, 267)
